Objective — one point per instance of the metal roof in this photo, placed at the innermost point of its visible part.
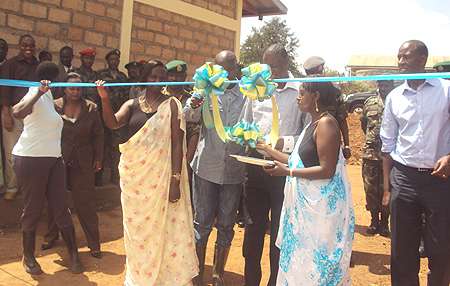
(373, 61)
(260, 8)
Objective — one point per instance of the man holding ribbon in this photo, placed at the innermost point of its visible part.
(217, 178)
(264, 193)
(415, 132)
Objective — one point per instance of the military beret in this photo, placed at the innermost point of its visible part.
(132, 64)
(113, 52)
(442, 66)
(176, 67)
(88, 52)
(142, 62)
(314, 65)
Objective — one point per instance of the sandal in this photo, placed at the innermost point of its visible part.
(47, 245)
(96, 254)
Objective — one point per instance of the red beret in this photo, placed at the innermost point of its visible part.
(142, 62)
(88, 52)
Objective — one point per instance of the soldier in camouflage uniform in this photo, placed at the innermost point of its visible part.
(119, 94)
(372, 168)
(88, 75)
(176, 71)
(134, 72)
(314, 65)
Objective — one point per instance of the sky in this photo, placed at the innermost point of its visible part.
(336, 30)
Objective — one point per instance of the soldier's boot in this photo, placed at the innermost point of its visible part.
(201, 254)
(384, 225)
(220, 259)
(374, 223)
(29, 261)
(69, 238)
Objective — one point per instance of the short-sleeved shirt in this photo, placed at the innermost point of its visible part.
(41, 135)
(373, 115)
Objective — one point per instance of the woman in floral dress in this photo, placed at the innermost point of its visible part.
(157, 215)
(317, 220)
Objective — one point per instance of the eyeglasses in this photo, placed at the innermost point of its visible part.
(31, 46)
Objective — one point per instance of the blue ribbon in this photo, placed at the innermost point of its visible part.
(23, 83)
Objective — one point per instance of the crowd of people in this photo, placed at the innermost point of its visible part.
(178, 180)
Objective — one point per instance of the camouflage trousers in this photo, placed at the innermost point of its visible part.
(372, 173)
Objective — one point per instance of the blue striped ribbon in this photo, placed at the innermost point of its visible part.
(22, 83)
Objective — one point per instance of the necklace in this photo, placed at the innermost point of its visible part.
(320, 116)
(149, 109)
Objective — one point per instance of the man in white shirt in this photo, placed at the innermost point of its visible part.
(264, 193)
(415, 132)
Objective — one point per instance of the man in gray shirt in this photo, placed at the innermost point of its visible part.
(264, 193)
(217, 178)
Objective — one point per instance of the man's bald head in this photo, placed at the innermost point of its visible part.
(227, 59)
(412, 57)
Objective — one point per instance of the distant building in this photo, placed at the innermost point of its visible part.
(189, 30)
(363, 65)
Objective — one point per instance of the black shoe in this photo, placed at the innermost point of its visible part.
(372, 229)
(384, 225)
(29, 261)
(240, 220)
(47, 245)
(96, 254)
(374, 223)
(384, 230)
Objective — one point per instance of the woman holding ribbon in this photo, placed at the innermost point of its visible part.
(157, 215)
(82, 151)
(317, 219)
(39, 167)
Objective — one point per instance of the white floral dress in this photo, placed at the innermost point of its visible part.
(316, 228)
(158, 234)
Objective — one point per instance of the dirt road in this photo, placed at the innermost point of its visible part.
(370, 253)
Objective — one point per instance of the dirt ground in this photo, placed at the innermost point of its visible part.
(370, 253)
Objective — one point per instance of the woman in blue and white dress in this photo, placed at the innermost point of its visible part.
(317, 220)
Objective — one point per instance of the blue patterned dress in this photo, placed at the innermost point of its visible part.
(316, 228)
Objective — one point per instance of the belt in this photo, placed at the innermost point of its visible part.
(414, 168)
(423, 169)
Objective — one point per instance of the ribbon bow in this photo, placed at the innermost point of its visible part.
(256, 83)
(210, 77)
(244, 131)
(211, 80)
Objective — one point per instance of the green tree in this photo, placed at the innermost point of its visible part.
(349, 87)
(273, 32)
(328, 72)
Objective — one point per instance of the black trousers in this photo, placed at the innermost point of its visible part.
(81, 185)
(262, 194)
(414, 192)
(40, 178)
